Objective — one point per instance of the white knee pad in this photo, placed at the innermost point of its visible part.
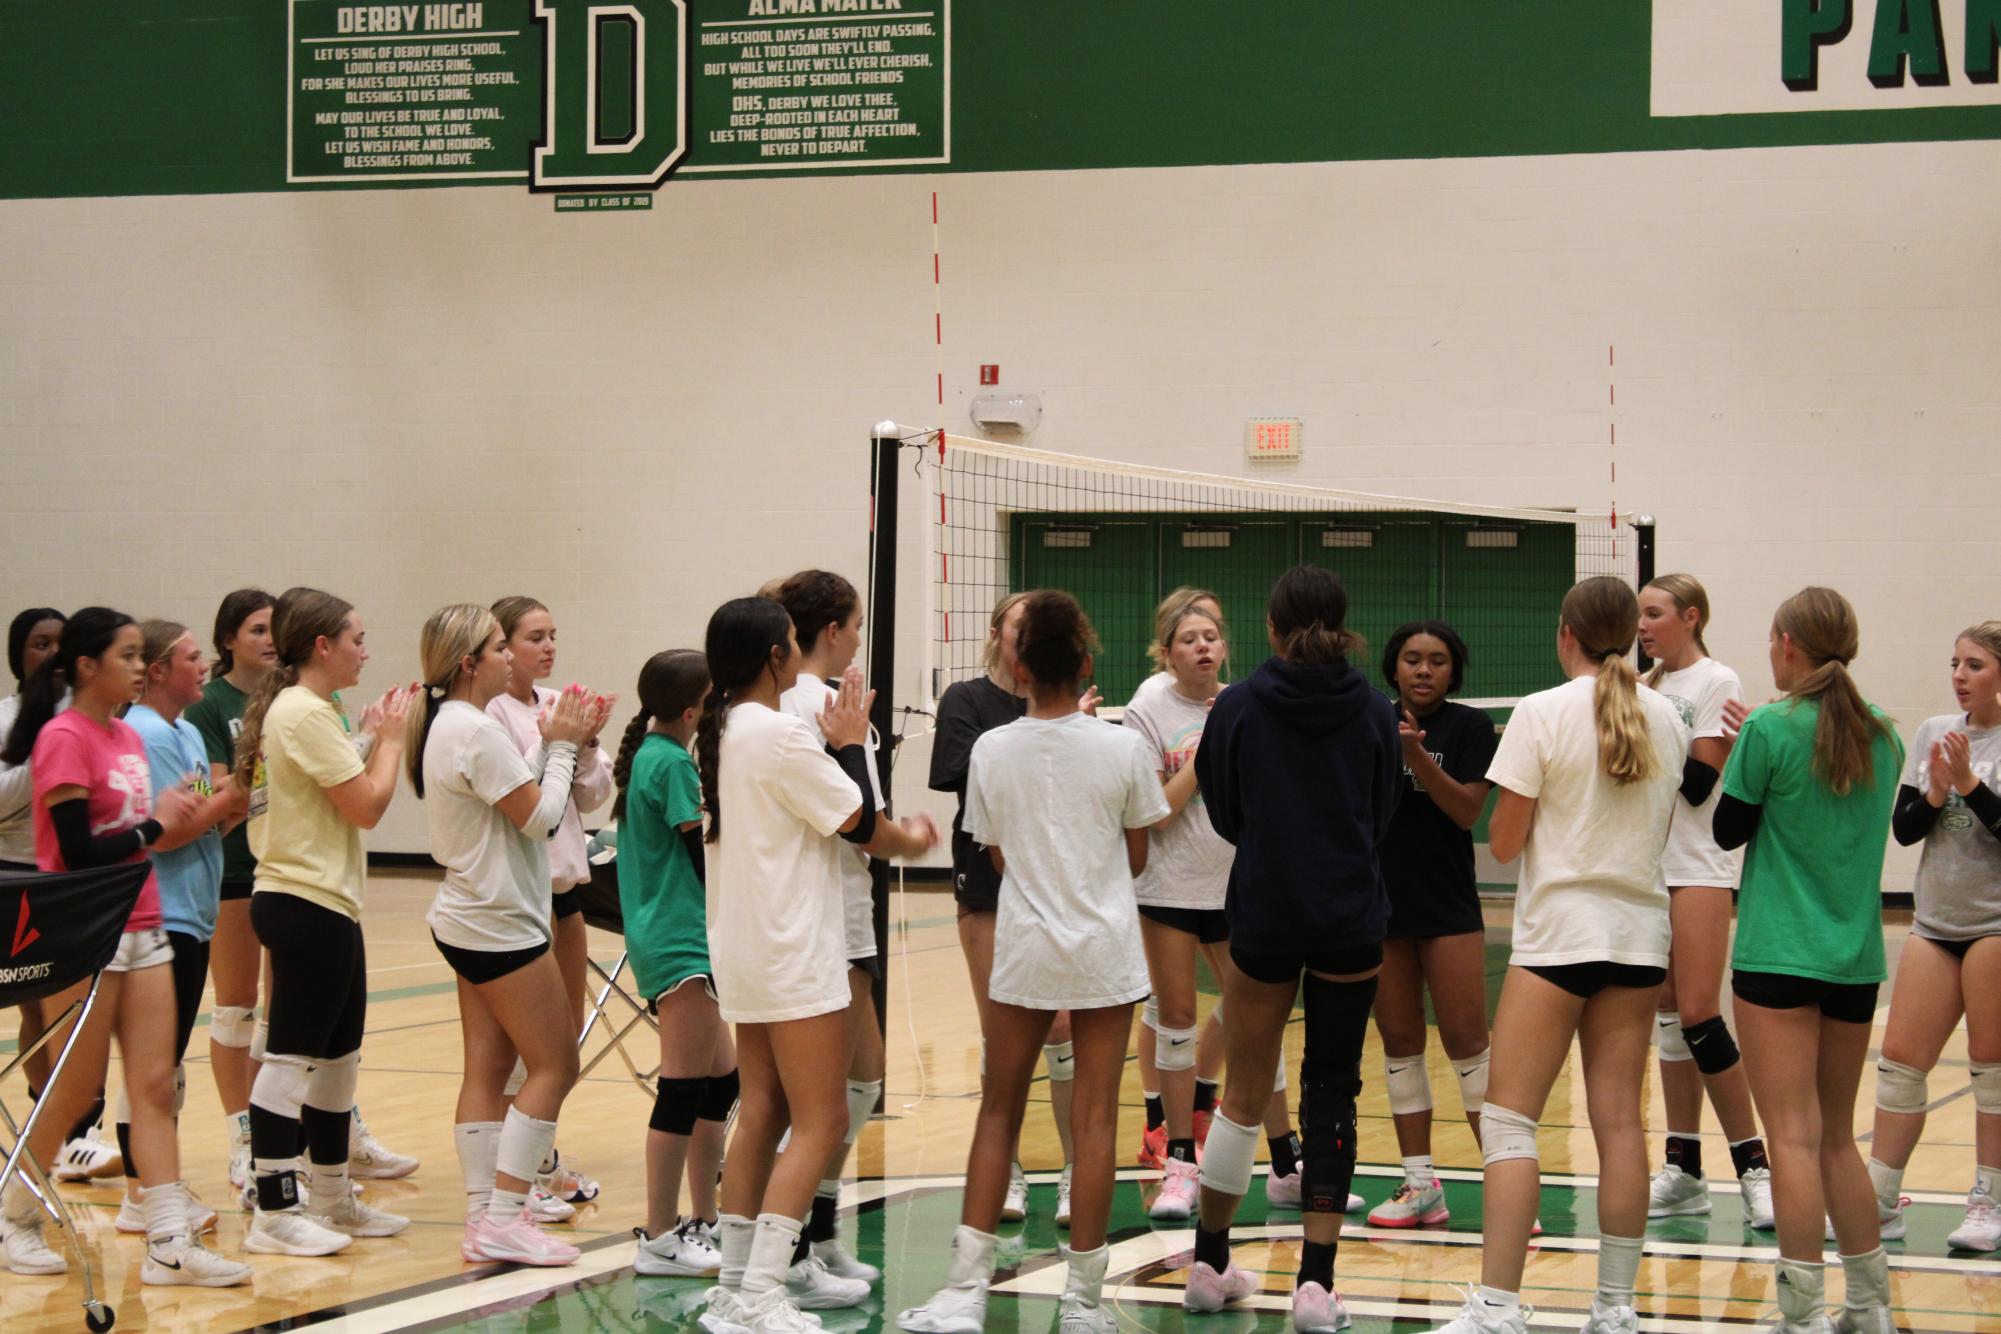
(1668, 1037)
(1173, 1049)
(1505, 1134)
(1061, 1058)
(1278, 1080)
(1149, 1013)
(260, 1039)
(862, 1095)
(1229, 1155)
(1986, 1080)
(524, 1145)
(515, 1080)
(330, 1085)
(1473, 1080)
(1409, 1084)
(232, 1026)
(1899, 1088)
(280, 1086)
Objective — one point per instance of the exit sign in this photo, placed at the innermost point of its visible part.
(1272, 438)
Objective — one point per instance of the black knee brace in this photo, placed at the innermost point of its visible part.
(719, 1099)
(1337, 1021)
(678, 1105)
(1710, 1043)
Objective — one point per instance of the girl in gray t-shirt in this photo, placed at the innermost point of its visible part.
(1951, 964)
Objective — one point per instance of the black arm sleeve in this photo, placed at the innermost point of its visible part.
(1986, 808)
(1735, 822)
(82, 849)
(1912, 817)
(854, 763)
(691, 839)
(1698, 780)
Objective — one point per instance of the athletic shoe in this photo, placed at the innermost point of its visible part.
(1412, 1205)
(546, 1208)
(1354, 1202)
(567, 1183)
(1317, 1311)
(1153, 1148)
(367, 1160)
(350, 1217)
(814, 1288)
(241, 1178)
(960, 1308)
(1982, 1229)
(1475, 1318)
(1673, 1193)
(1077, 1318)
(191, 1265)
(1063, 1197)
(666, 1305)
(1015, 1207)
(25, 1250)
(302, 1171)
(517, 1241)
(1818, 1325)
(1179, 1191)
(774, 1312)
(131, 1218)
(1755, 1190)
(1282, 1192)
(290, 1232)
(1201, 1124)
(724, 1314)
(88, 1158)
(1208, 1290)
(1871, 1320)
(675, 1253)
(842, 1264)
(1612, 1320)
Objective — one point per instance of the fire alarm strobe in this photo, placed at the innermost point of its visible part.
(989, 374)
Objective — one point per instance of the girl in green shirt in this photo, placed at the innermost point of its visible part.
(1808, 788)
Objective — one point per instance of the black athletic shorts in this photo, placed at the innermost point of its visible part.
(1586, 980)
(974, 898)
(235, 889)
(190, 970)
(1956, 948)
(568, 904)
(1849, 1002)
(319, 977)
(1274, 969)
(872, 965)
(482, 966)
(1208, 925)
(1422, 915)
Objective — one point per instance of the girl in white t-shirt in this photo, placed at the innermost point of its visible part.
(776, 793)
(1588, 774)
(1696, 1049)
(491, 813)
(531, 639)
(1063, 802)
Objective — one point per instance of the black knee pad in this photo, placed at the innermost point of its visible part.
(1710, 1043)
(719, 1099)
(1337, 1021)
(678, 1105)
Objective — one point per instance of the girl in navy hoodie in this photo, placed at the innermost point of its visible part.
(1299, 768)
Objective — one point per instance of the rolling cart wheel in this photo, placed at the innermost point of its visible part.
(99, 1317)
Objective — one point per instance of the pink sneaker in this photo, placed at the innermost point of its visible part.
(1179, 1191)
(1317, 1311)
(517, 1241)
(1208, 1290)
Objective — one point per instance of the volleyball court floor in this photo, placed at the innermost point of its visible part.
(903, 1197)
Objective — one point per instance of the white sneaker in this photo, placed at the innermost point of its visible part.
(1611, 1320)
(131, 1218)
(1871, 1320)
(1315, 1310)
(1818, 1325)
(567, 1183)
(814, 1288)
(25, 1250)
(1077, 1318)
(1673, 1193)
(1412, 1205)
(1063, 1197)
(1015, 1207)
(842, 1264)
(774, 1312)
(290, 1232)
(367, 1160)
(1475, 1318)
(240, 1176)
(1354, 1202)
(1755, 1188)
(192, 1265)
(724, 1314)
(88, 1158)
(960, 1308)
(1982, 1229)
(352, 1218)
(546, 1208)
(676, 1253)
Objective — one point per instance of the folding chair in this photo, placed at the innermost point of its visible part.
(601, 909)
(66, 927)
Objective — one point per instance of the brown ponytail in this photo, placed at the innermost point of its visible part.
(1308, 612)
(299, 620)
(1603, 616)
(669, 684)
(745, 637)
(1822, 626)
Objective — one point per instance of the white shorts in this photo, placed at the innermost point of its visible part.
(141, 949)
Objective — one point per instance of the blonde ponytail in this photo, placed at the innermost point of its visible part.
(1603, 616)
(1823, 626)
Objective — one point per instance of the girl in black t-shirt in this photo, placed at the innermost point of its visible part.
(1436, 936)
